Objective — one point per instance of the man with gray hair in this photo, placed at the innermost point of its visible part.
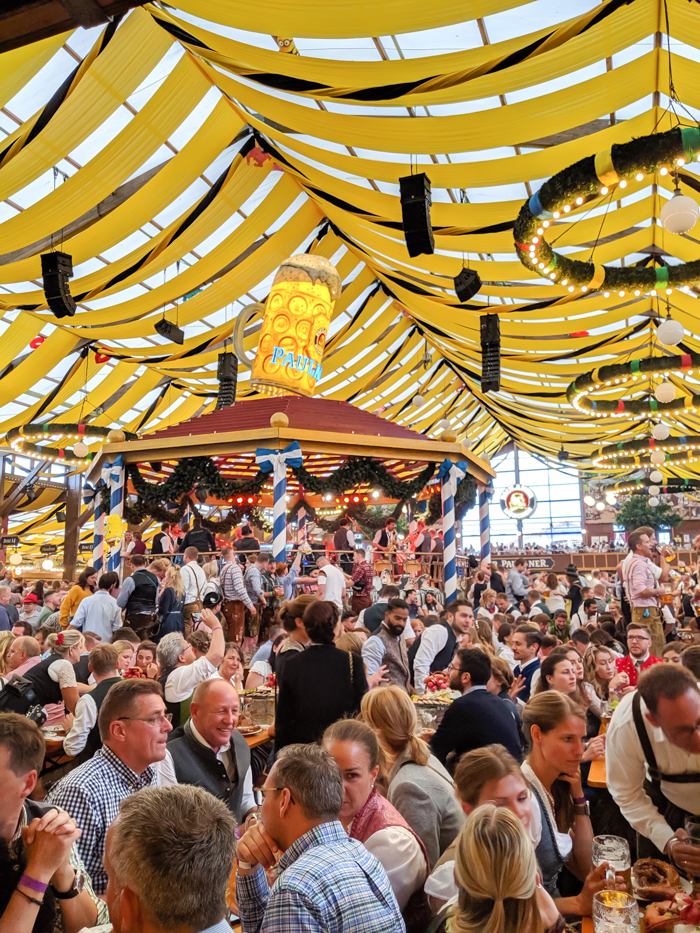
(328, 882)
(180, 672)
(5, 620)
(168, 859)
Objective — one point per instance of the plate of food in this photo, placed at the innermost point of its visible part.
(250, 730)
(669, 906)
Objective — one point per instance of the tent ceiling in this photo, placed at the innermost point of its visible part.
(179, 156)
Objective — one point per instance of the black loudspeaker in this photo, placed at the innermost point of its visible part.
(170, 331)
(415, 211)
(60, 517)
(467, 284)
(490, 353)
(227, 374)
(56, 269)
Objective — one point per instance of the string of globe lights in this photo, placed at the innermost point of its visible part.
(600, 505)
(601, 176)
(26, 440)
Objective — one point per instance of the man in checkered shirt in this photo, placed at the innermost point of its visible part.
(327, 882)
(133, 728)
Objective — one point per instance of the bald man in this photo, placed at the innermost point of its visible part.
(210, 752)
(24, 653)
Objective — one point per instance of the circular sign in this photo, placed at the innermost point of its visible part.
(518, 501)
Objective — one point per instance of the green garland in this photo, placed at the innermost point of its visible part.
(673, 484)
(586, 181)
(21, 440)
(357, 471)
(358, 512)
(680, 451)
(629, 374)
(136, 514)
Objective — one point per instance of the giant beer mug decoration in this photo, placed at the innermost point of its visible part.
(294, 329)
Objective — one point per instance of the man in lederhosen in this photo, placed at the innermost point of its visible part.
(653, 763)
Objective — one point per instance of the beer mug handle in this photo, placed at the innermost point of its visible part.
(610, 876)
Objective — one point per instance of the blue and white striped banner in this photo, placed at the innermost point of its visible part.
(276, 462)
(117, 477)
(301, 525)
(90, 496)
(450, 474)
(484, 525)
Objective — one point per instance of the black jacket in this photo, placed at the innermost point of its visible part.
(201, 538)
(473, 721)
(314, 690)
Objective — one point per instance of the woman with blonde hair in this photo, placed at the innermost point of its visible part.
(349, 641)
(481, 633)
(170, 603)
(417, 783)
(6, 640)
(53, 679)
(497, 880)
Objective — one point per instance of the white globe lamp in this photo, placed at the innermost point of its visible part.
(15, 559)
(47, 564)
(670, 332)
(665, 392)
(680, 213)
(657, 457)
(81, 450)
(418, 401)
(660, 431)
(589, 500)
(653, 502)
(600, 506)
(656, 476)
(653, 490)
(444, 424)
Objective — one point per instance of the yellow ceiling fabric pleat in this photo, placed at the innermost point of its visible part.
(41, 360)
(136, 48)
(508, 126)
(144, 134)
(343, 19)
(116, 377)
(18, 66)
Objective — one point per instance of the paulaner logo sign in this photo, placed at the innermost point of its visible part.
(518, 501)
(301, 363)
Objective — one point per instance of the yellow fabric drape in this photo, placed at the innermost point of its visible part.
(18, 66)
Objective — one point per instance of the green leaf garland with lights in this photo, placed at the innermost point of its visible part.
(584, 180)
(579, 391)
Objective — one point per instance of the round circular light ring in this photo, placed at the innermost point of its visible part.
(638, 454)
(24, 439)
(587, 180)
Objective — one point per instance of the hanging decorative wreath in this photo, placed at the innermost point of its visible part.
(588, 180)
(581, 390)
(676, 451)
(22, 440)
(674, 484)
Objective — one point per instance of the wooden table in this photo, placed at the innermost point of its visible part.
(587, 925)
(596, 775)
(259, 739)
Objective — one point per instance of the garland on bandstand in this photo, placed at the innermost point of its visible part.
(589, 180)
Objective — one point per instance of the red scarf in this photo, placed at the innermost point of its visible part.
(376, 814)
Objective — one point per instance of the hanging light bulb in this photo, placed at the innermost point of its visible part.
(653, 490)
(657, 457)
(665, 392)
(660, 431)
(418, 401)
(600, 506)
(680, 213)
(610, 498)
(656, 476)
(15, 559)
(589, 500)
(47, 564)
(670, 332)
(653, 502)
(444, 425)
(80, 449)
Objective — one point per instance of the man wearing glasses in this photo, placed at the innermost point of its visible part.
(640, 657)
(133, 727)
(327, 881)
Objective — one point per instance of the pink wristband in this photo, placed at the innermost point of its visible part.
(28, 882)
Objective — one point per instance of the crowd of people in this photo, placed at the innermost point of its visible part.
(352, 815)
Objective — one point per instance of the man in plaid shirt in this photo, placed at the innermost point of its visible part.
(236, 599)
(362, 581)
(328, 882)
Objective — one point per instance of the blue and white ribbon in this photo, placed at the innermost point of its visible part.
(90, 496)
(301, 525)
(450, 474)
(276, 462)
(484, 525)
(117, 477)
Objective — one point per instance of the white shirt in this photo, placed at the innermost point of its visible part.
(194, 580)
(402, 859)
(406, 634)
(626, 769)
(333, 580)
(100, 614)
(85, 719)
(182, 681)
(432, 641)
(165, 771)
(505, 652)
(535, 676)
(580, 618)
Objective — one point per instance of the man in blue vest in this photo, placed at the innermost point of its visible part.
(527, 642)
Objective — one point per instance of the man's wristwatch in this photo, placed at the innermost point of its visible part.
(73, 891)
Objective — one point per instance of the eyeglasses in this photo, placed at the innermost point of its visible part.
(638, 638)
(453, 668)
(164, 717)
(265, 790)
